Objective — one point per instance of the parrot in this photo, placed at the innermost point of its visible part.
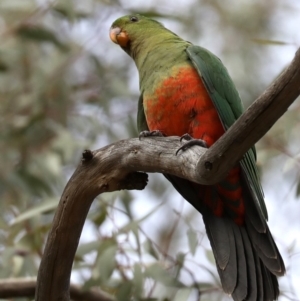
(186, 91)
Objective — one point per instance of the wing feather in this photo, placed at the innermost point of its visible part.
(229, 106)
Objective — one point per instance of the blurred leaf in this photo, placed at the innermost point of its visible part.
(153, 14)
(106, 244)
(291, 163)
(133, 225)
(210, 256)
(39, 34)
(100, 216)
(34, 183)
(180, 258)
(6, 262)
(29, 267)
(86, 248)
(130, 227)
(138, 282)
(17, 264)
(157, 273)
(298, 189)
(124, 291)
(43, 208)
(3, 67)
(269, 42)
(106, 263)
(23, 6)
(31, 240)
(292, 246)
(69, 14)
(148, 247)
(183, 294)
(126, 200)
(193, 240)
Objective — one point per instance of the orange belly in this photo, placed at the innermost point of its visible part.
(181, 104)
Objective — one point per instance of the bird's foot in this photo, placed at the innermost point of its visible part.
(191, 142)
(155, 133)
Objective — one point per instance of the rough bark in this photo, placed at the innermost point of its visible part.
(121, 166)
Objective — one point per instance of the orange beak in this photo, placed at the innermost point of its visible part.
(118, 36)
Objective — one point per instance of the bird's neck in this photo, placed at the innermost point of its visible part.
(157, 54)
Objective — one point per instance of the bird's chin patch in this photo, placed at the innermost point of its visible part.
(118, 36)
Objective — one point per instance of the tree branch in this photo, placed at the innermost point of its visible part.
(115, 167)
(25, 287)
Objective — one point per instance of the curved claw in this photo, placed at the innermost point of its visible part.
(191, 143)
(186, 137)
(155, 133)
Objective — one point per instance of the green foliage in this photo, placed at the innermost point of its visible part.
(65, 87)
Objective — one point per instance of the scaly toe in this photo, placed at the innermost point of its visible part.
(191, 143)
(155, 133)
(187, 137)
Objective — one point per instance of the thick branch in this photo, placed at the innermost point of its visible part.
(114, 167)
(108, 169)
(25, 287)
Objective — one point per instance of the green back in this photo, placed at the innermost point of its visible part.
(229, 106)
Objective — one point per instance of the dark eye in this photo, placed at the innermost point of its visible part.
(134, 19)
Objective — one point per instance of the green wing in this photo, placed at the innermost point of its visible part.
(229, 106)
(141, 118)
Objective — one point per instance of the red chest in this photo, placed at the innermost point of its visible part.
(180, 104)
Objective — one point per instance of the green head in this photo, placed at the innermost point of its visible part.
(134, 32)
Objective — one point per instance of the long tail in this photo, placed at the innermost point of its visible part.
(247, 257)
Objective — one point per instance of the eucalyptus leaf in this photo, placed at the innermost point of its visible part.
(138, 281)
(45, 207)
(106, 264)
(158, 273)
(193, 240)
